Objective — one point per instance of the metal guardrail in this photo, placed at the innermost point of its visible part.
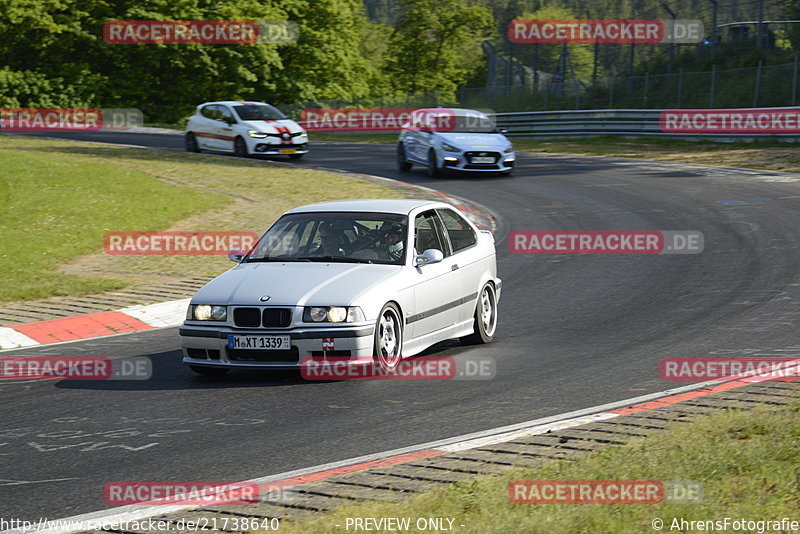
(629, 123)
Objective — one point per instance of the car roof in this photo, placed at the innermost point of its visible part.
(456, 111)
(234, 103)
(371, 205)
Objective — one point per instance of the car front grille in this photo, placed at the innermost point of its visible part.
(247, 317)
(483, 154)
(280, 317)
(243, 355)
(262, 317)
(276, 146)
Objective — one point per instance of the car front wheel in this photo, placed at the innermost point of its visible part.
(485, 319)
(433, 169)
(402, 162)
(191, 143)
(388, 345)
(239, 147)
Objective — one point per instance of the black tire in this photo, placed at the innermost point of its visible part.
(209, 371)
(433, 170)
(485, 318)
(191, 143)
(296, 156)
(388, 338)
(402, 162)
(240, 148)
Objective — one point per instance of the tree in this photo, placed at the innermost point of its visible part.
(425, 50)
(325, 62)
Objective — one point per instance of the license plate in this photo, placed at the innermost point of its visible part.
(482, 159)
(259, 342)
(288, 151)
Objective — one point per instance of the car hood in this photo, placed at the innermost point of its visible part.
(293, 283)
(477, 141)
(278, 127)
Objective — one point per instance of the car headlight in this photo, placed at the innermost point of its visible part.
(256, 134)
(509, 150)
(205, 312)
(450, 148)
(333, 314)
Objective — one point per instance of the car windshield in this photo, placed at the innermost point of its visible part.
(259, 112)
(334, 236)
(471, 123)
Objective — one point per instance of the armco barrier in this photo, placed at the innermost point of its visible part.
(616, 122)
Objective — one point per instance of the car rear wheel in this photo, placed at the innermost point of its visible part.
(388, 345)
(239, 148)
(191, 143)
(209, 371)
(402, 162)
(485, 319)
(433, 169)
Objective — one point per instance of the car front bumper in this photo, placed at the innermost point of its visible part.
(462, 163)
(267, 148)
(207, 346)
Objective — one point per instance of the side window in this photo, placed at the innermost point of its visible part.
(428, 235)
(225, 113)
(460, 232)
(209, 112)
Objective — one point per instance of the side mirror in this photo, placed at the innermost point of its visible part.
(429, 256)
(236, 255)
(229, 120)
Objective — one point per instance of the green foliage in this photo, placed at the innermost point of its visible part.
(54, 54)
(426, 48)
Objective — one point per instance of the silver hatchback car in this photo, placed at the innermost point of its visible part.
(362, 281)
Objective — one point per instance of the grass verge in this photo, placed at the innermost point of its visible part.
(765, 155)
(748, 463)
(59, 198)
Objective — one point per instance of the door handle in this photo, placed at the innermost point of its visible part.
(454, 267)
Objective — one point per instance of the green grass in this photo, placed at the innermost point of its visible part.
(748, 463)
(59, 198)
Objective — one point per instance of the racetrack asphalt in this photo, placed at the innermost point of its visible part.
(574, 332)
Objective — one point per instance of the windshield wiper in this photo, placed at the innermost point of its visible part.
(342, 259)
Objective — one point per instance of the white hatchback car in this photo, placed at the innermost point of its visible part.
(245, 128)
(361, 281)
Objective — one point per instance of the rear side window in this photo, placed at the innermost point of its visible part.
(460, 232)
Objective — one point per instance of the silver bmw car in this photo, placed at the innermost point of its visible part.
(361, 281)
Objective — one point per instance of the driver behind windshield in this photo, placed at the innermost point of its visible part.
(331, 241)
(392, 242)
